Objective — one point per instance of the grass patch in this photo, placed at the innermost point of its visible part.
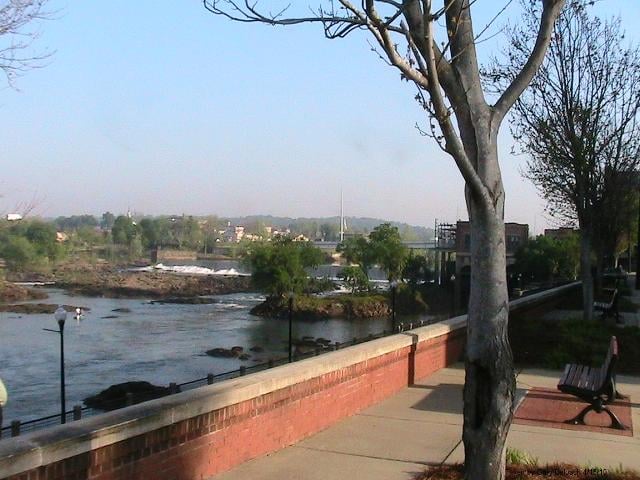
(358, 300)
(552, 344)
(518, 457)
(535, 472)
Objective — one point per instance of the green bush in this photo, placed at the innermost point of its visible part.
(355, 278)
(18, 253)
(278, 267)
(410, 301)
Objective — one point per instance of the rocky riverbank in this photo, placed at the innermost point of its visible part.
(31, 308)
(346, 306)
(10, 292)
(117, 282)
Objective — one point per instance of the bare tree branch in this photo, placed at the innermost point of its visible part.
(550, 11)
(17, 19)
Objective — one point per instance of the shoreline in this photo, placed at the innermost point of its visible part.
(121, 282)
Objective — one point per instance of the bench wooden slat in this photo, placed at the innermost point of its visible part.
(577, 371)
(595, 380)
(570, 373)
(589, 380)
(585, 377)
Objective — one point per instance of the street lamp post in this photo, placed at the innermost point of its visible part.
(394, 287)
(454, 297)
(290, 327)
(61, 315)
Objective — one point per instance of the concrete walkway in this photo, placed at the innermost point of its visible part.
(422, 425)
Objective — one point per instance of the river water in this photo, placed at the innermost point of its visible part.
(158, 343)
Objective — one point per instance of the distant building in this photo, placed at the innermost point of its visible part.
(232, 233)
(281, 233)
(515, 235)
(13, 217)
(560, 233)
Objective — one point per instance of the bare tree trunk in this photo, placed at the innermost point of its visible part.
(585, 274)
(490, 379)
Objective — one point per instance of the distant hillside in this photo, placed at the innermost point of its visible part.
(354, 225)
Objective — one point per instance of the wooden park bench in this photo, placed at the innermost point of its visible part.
(610, 307)
(596, 386)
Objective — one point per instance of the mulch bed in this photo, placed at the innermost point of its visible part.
(534, 472)
(545, 407)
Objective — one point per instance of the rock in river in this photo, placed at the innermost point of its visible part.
(233, 352)
(37, 308)
(221, 353)
(116, 395)
(187, 300)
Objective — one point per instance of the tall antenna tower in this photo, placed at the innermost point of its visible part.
(341, 216)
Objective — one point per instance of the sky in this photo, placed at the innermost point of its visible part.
(163, 108)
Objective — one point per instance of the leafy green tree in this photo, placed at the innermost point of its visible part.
(278, 267)
(357, 250)
(165, 236)
(545, 259)
(108, 219)
(135, 248)
(383, 247)
(75, 222)
(184, 232)
(329, 232)
(18, 252)
(355, 278)
(87, 236)
(123, 230)
(150, 232)
(43, 238)
(416, 270)
(388, 251)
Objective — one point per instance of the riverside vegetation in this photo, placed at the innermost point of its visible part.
(92, 258)
(523, 466)
(279, 268)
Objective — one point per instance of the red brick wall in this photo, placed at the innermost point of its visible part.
(217, 441)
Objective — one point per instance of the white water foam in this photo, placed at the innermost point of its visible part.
(189, 270)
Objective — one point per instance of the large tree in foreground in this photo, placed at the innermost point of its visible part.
(466, 126)
(578, 124)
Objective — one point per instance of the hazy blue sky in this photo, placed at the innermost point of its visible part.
(165, 108)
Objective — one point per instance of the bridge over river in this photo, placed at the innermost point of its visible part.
(420, 245)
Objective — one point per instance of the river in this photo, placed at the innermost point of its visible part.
(159, 343)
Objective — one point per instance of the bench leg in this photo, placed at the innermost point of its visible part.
(615, 421)
(579, 419)
(620, 396)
